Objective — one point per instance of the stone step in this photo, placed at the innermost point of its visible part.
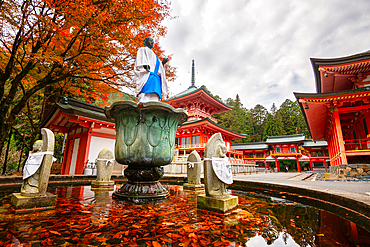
(302, 176)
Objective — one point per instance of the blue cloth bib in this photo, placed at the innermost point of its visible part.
(154, 83)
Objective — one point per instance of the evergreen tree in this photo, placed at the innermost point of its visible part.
(258, 115)
(292, 119)
(270, 127)
(236, 119)
(273, 109)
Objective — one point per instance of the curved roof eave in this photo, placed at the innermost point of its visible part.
(194, 89)
(316, 62)
(209, 120)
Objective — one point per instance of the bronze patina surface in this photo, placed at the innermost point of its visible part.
(145, 141)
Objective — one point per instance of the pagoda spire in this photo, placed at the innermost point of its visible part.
(193, 75)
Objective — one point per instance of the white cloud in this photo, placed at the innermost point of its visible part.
(260, 49)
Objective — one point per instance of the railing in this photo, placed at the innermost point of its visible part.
(233, 151)
(197, 145)
(245, 168)
(203, 145)
(285, 154)
(259, 156)
(238, 166)
(236, 161)
(357, 144)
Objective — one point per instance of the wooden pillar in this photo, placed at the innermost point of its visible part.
(65, 156)
(298, 165)
(69, 152)
(339, 138)
(311, 165)
(85, 157)
(367, 119)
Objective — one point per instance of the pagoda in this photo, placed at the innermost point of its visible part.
(194, 134)
(339, 110)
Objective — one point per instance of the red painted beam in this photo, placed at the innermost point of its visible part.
(353, 108)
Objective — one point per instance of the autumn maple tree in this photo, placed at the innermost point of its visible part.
(80, 47)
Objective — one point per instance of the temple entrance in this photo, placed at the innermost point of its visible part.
(290, 164)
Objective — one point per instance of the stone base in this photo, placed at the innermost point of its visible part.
(193, 186)
(351, 171)
(27, 204)
(102, 184)
(219, 205)
(141, 192)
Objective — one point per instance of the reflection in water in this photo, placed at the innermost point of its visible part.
(92, 218)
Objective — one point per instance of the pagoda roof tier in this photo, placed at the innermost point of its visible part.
(201, 95)
(344, 73)
(316, 108)
(208, 125)
(71, 112)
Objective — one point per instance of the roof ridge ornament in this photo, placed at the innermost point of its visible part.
(192, 74)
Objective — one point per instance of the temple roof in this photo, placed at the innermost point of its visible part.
(209, 124)
(201, 93)
(314, 107)
(285, 139)
(310, 143)
(337, 74)
(250, 146)
(71, 112)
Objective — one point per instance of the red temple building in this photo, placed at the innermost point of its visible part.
(339, 110)
(88, 131)
(308, 155)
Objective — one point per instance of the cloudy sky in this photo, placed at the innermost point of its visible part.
(261, 49)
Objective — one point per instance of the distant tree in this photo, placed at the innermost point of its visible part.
(292, 119)
(277, 118)
(279, 123)
(270, 127)
(258, 115)
(236, 119)
(273, 109)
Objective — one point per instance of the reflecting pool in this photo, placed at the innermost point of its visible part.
(85, 217)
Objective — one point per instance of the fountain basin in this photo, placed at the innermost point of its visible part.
(145, 141)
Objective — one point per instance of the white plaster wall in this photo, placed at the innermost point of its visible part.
(97, 144)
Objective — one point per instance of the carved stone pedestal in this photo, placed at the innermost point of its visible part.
(219, 205)
(143, 185)
(102, 184)
(27, 204)
(188, 186)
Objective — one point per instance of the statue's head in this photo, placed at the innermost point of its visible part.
(221, 150)
(37, 146)
(149, 42)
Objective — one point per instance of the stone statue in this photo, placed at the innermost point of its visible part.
(104, 164)
(217, 174)
(215, 148)
(194, 164)
(36, 171)
(150, 77)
